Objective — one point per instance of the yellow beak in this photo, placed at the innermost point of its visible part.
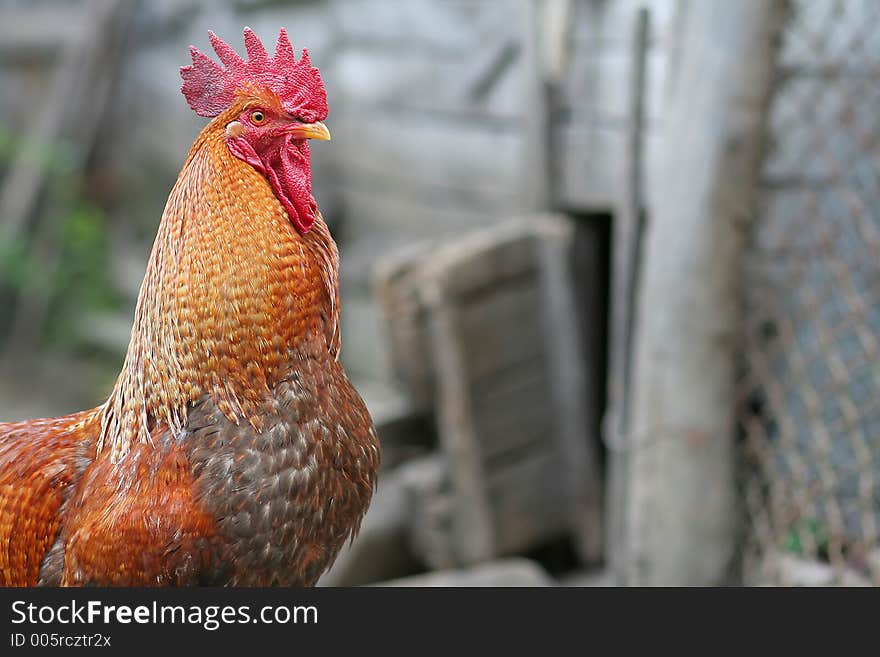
(316, 130)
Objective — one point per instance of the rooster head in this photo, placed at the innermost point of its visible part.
(270, 106)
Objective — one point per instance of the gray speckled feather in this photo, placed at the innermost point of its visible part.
(288, 497)
(280, 502)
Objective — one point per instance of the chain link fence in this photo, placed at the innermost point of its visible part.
(810, 405)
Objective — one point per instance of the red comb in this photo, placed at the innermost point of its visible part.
(210, 88)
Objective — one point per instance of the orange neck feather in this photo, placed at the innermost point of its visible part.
(231, 288)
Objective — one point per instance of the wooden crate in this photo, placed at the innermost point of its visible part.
(490, 336)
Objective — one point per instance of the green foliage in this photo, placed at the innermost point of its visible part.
(81, 282)
(808, 533)
(76, 278)
(14, 264)
(6, 145)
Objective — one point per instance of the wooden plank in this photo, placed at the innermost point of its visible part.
(448, 153)
(405, 319)
(485, 258)
(627, 240)
(426, 481)
(482, 82)
(365, 249)
(597, 88)
(514, 436)
(499, 360)
(528, 503)
(493, 330)
(513, 411)
(471, 519)
(454, 273)
(681, 517)
(538, 175)
(591, 166)
(528, 378)
(397, 285)
(387, 187)
(501, 429)
(375, 215)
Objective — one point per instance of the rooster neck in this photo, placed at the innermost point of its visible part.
(231, 289)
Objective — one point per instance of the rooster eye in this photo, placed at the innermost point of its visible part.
(258, 117)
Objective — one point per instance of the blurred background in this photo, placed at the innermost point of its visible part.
(609, 267)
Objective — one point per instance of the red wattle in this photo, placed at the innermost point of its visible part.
(286, 165)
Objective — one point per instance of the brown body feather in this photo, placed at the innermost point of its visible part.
(233, 449)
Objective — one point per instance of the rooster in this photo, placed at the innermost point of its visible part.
(232, 450)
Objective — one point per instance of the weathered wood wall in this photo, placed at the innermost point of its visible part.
(431, 120)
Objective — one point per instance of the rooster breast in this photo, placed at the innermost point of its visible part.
(226, 504)
(288, 497)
